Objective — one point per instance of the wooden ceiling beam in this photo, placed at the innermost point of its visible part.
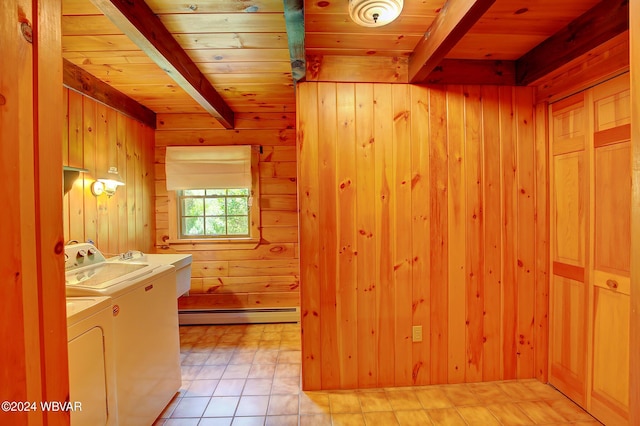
(453, 21)
(599, 24)
(385, 69)
(136, 20)
(75, 78)
(294, 20)
(473, 71)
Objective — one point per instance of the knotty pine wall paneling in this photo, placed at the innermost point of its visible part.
(543, 224)
(346, 227)
(267, 275)
(33, 329)
(97, 137)
(634, 348)
(438, 198)
(420, 225)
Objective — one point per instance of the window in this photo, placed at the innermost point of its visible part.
(212, 213)
(213, 197)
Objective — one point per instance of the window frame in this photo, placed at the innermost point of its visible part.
(226, 216)
(220, 243)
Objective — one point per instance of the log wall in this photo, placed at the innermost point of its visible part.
(264, 276)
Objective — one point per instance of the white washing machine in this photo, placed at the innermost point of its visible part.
(145, 328)
(92, 381)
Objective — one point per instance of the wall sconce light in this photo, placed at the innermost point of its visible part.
(374, 13)
(108, 184)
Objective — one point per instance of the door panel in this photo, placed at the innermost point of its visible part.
(610, 391)
(612, 104)
(590, 185)
(87, 378)
(569, 182)
(612, 250)
(613, 208)
(568, 119)
(569, 201)
(569, 215)
(568, 338)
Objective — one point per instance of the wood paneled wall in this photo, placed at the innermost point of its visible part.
(33, 323)
(97, 137)
(264, 276)
(634, 349)
(421, 206)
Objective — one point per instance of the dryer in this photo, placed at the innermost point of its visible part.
(92, 381)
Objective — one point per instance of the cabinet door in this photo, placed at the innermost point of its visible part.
(612, 251)
(569, 294)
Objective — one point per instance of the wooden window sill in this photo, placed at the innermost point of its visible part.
(222, 244)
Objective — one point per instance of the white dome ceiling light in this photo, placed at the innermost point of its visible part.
(374, 13)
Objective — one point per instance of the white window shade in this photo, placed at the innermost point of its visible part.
(211, 167)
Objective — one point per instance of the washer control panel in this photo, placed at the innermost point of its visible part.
(82, 254)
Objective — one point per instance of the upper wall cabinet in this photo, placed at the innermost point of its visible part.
(590, 169)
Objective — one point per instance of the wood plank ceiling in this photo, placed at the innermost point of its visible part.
(241, 46)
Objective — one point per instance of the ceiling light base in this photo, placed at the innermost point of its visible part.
(374, 13)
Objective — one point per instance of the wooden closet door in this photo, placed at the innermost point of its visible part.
(569, 224)
(612, 250)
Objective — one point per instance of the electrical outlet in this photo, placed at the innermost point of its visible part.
(417, 333)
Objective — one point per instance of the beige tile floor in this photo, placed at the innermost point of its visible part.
(250, 375)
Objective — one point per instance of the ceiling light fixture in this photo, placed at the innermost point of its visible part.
(374, 13)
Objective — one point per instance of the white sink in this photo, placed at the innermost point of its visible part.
(182, 263)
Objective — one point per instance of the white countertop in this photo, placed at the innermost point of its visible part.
(177, 260)
(79, 308)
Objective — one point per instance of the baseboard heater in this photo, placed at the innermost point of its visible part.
(238, 316)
